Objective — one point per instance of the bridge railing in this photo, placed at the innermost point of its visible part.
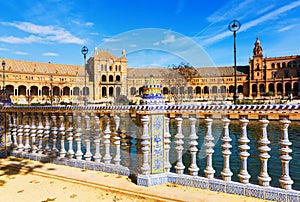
(140, 140)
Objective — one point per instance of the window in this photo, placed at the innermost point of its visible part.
(273, 66)
(286, 74)
(278, 65)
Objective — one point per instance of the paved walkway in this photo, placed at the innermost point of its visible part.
(25, 180)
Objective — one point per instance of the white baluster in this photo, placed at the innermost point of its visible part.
(54, 135)
(70, 137)
(9, 133)
(179, 148)
(117, 141)
(264, 177)
(285, 179)
(107, 157)
(33, 134)
(78, 135)
(243, 174)
(167, 145)
(40, 133)
(97, 156)
(145, 143)
(20, 133)
(87, 134)
(14, 132)
(62, 135)
(209, 170)
(226, 172)
(26, 134)
(193, 148)
(47, 135)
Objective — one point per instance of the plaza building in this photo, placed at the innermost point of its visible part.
(107, 79)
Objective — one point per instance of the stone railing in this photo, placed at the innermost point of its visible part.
(138, 140)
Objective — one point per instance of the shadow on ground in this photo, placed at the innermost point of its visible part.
(11, 166)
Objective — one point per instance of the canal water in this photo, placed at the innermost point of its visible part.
(254, 164)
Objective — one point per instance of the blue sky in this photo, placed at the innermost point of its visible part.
(153, 33)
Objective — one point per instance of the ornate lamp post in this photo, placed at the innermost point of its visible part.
(84, 51)
(234, 26)
(3, 81)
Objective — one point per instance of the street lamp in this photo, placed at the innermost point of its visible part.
(3, 81)
(84, 51)
(234, 26)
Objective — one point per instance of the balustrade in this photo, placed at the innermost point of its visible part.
(49, 133)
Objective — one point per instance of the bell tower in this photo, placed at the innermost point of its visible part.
(257, 64)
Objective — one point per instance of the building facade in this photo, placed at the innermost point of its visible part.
(107, 78)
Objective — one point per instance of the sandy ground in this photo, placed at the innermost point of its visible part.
(24, 180)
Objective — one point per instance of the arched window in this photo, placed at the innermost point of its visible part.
(118, 78)
(45, 90)
(111, 91)
(120, 68)
(111, 78)
(103, 78)
(22, 90)
(273, 65)
(34, 90)
(86, 91)
(198, 90)
(206, 90)
(104, 92)
(75, 91)
(56, 90)
(214, 90)
(66, 91)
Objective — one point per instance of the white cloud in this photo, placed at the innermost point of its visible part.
(112, 40)
(50, 54)
(89, 24)
(286, 28)
(4, 49)
(268, 16)
(21, 53)
(41, 34)
(17, 40)
(169, 39)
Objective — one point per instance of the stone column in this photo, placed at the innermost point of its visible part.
(40, 132)
(243, 174)
(285, 179)
(97, 156)
(33, 134)
(47, 134)
(78, 135)
(209, 170)
(226, 172)
(117, 141)
(179, 146)
(167, 145)
(145, 146)
(87, 135)
(264, 177)
(54, 135)
(62, 135)
(107, 157)
(193, 148)
(27, 146)
(71, 152)
(14, 132)
(20, 132)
